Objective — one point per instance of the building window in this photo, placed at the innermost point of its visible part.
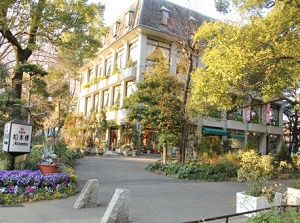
(133, 51)
(193, 24)
(120, 59)
(85, 77)
(104, 39)
(105, 99)
(96, 102)
(91, 74)
(99, 69)
(115, 29)
(117, 95)
(129, 17)
(165, 15)
(109, 66)
(274, 115)
(156, 50)
(88, 107)
(130, 88)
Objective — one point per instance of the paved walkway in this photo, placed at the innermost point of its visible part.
(154, 198)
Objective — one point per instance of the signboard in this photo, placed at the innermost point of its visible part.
(17, 137)
(248, 110)
(268, 107)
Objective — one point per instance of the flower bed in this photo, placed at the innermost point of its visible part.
(24, 185)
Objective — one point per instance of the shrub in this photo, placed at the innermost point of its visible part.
(290, 215)
(255, 169)
(196, 171)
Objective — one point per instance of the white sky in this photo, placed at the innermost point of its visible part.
(116, 7)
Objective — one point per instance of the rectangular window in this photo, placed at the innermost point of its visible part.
(105, 99)
(165, 17)
(133, 51)
(130, 88)
(109, 65)
(88, 107)
(96, 102)
(117, 95)
(85, 77)
(91, 74)
(120, 59)
(99, 69)
(274, 115)
(129, 18)
(156, 50)
(115, 29)
(104, 39)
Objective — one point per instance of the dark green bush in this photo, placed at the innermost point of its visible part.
(195, 171)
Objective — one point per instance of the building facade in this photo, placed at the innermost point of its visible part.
(145, 29)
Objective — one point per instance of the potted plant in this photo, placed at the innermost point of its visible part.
(48, 164)
(256, 170)
(127, 150)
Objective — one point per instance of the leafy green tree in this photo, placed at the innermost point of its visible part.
(257, 57)
(157, 100)
(29, 26)
(7, 109)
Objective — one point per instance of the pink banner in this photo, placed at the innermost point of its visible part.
(268, 107)
(248, 111)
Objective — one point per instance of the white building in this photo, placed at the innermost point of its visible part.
(146, 27)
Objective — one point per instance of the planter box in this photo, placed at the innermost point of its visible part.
(246, 202)
(46, 169)
(293, 196)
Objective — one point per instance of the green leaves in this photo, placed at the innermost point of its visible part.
(261, 55)
(157, 101)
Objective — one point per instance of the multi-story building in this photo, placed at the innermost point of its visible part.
(145, 29)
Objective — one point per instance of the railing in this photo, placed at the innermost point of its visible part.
(226, 217)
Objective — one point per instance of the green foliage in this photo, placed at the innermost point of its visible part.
(289, 215)
(157, 101)
(76, 27)
(28, 164)
(194, 171)
(4, 160)
(130, 63)
(8, 110)
(30, 69)
(204, 147)
(257, 55)
(250, 146)
(256, 169)
(283, 154)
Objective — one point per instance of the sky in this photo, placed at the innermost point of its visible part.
(116, 7)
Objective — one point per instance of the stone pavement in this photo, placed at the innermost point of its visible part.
(154, 198)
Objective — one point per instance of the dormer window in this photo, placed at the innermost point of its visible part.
(129, 17)
(116, 28)
(104, 39)
(165, 15)
(193, 23)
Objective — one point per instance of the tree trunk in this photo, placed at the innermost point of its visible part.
(165, 154)
(22, 56)
(185, 120)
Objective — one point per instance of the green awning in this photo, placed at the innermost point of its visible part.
(214, 131)
(236, 136)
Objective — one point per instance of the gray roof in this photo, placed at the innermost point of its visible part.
(148, 13)
(180, 17)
